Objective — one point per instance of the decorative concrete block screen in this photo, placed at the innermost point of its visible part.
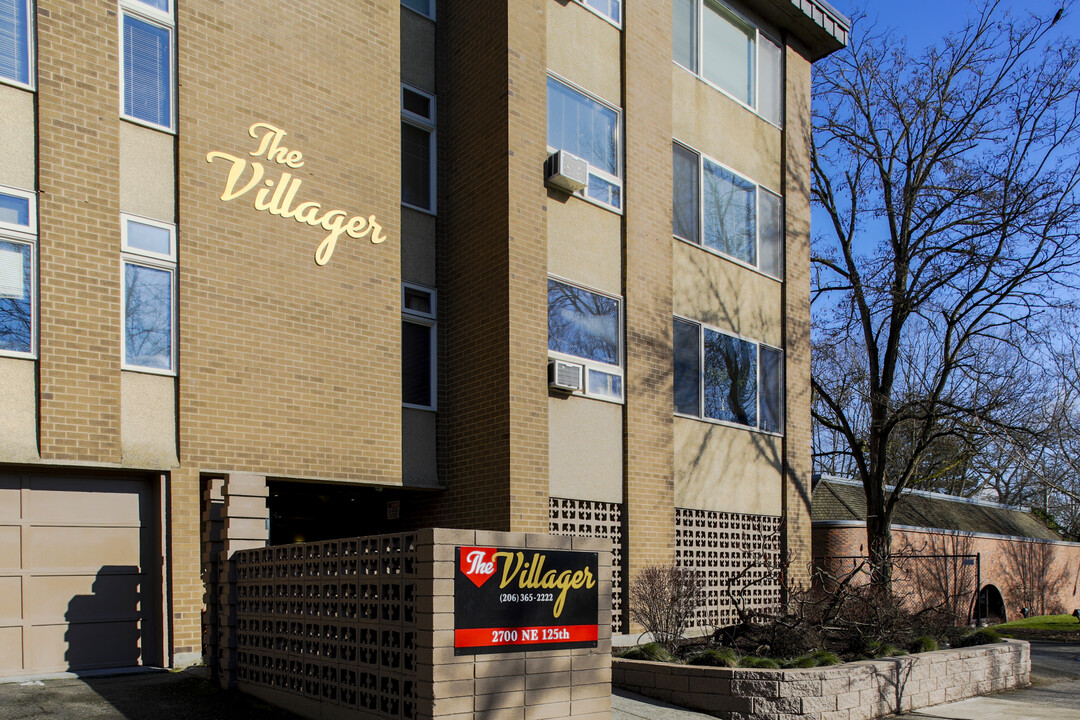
(720, 546)
(365, 628)
(855, 691)
(595, 519)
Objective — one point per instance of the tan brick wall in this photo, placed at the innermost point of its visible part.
(79, 183)
(797, 147)
(184, 552)
(289, 367)
(649, 467)
(492, 268)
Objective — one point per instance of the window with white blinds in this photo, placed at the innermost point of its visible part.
(147, 70)
(15, 55)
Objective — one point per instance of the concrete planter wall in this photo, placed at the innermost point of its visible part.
(854, 691)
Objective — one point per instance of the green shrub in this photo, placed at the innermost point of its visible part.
(803, 661)
(982, 636)
(751, 661)
(924, 644)
(653, 652)
(888, 650)
(825, 657)
(723, 657)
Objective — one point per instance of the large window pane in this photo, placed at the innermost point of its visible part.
(582, 126)
(730, 213)
(16, 297)
(728, 52)
(687, 368)
(148, 316)
(582, 323)
(684, 206)
(730, 379)
(415, 166)
(770, 89)
(147, 72)
(684, 33)
(416, 364)
(772, 393)
(15, 40)
(770, 234)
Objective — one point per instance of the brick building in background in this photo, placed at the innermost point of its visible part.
(284, 272)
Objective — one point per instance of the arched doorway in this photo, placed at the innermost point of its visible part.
(992, 605)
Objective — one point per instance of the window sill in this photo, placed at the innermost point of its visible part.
(16, 355)
(729, 258)
(417, 208)
(725, 423)
(148, 370)
(148, 124)
(599, 14)
(17, 84)
(426, 408)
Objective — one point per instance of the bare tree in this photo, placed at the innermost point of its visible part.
(949, 181)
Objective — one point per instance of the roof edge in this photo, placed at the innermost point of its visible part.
(928, 494)
(946, 531)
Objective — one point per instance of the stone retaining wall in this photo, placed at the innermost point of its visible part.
(854, 691)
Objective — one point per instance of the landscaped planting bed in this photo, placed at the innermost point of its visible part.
(852, 691)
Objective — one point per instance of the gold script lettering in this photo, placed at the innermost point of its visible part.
(277, 196)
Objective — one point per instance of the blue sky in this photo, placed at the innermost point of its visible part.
(925, 21)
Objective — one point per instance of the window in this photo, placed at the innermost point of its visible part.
(15, 38)
(725, 378)
(146, 76)
(424, 7)
(418, 357)
(713, 42)
(585, 327)
(417, 149)
(149, 267)
(584, 126)
(610, 9)
(18, 258)
(726, 213)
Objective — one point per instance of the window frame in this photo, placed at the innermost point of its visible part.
(602, 15)
(430, 321)
(589, 364)
(429, 15)
(428, 124)
(164, 20)
(699, 242)
(616, 180)
(155, 261)
(701, 416)
(31, 54)
(25, 235)
(759, 36)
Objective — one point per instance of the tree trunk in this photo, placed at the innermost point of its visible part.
(879, 548)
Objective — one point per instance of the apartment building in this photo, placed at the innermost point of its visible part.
(273, 272)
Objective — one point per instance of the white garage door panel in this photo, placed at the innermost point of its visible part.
(53, 547)
(78, 500)
(74, 591)
(82, 598)
(10, 547)
(11, 649)
(10, 600)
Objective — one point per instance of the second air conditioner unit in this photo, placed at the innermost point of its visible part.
(566, 172)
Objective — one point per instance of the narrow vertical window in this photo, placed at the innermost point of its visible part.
(15, 38)
(417, 149)
(147, 62)
(685, 210)
(684, 35)
(424, 7)
(418, 356)
(772, 390)
(687, 345)
(149, 282)
(588, 128)
(18, 258)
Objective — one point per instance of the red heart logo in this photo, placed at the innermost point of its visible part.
(478, 564)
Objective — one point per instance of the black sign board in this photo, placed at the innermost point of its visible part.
(511, 599)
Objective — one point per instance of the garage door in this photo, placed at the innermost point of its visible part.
(78, 586)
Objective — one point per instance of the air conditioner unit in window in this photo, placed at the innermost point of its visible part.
(565, 376)
(566, 172)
